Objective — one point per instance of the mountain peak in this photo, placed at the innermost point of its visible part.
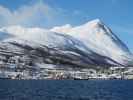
(95, 22)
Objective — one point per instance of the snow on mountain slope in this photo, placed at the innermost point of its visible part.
(94, 41)
(65, 46)
(99, 38)
(37, 35)
(59, 47)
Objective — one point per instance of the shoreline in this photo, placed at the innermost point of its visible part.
(63, 79)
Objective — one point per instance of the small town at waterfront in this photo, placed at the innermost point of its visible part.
(53, 73)
(16, 68)
(45, 73)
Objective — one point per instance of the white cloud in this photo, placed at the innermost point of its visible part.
(38, 14)
(62, 29)
(28, 15)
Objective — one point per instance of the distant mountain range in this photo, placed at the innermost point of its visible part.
(92, 43)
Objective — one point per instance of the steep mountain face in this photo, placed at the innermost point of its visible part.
(90, 44)
(100, 39)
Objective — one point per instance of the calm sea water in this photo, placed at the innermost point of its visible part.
(66, 90)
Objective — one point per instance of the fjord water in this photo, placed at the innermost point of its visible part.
(66, 90)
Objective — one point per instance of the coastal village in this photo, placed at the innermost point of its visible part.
(16, 68)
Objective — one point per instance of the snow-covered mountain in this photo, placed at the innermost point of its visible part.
(100, 39)
(90, 44)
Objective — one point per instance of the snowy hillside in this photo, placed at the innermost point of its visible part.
(98, 38)
(90, 44)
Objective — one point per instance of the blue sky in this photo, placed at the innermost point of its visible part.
(117, 14)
